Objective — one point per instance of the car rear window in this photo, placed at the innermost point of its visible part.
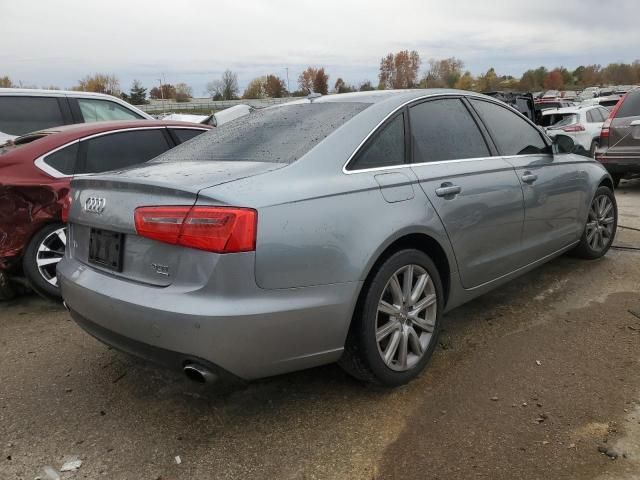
(562, 119)
(278, 134)
(630, 106)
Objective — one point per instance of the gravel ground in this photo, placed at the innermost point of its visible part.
(539, 379)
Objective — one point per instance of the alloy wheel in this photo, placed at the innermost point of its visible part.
(600, 223)
(406, 317)
(50, 252)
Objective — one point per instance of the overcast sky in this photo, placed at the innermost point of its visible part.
(56, 43)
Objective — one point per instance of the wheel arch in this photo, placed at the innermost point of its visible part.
(423, 241)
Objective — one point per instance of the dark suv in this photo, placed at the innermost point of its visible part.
(619, 150)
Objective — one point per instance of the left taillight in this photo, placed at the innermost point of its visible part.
(214, 229)
(66, 207)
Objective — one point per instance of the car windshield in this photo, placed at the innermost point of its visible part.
(278, 134)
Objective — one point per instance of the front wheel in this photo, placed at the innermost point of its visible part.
(601, 226)
(44, 252)
(395, 330)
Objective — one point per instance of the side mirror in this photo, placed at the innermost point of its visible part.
(564, 144)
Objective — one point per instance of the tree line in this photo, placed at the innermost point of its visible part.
(397, 70)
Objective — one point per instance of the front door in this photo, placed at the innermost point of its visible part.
(554, 187)
(477, 196)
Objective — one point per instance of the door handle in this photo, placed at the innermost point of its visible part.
(529, 177)
(447, 189)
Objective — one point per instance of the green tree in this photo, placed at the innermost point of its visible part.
(342, 87)
(366, 86)
(138, 94)
(443, 73)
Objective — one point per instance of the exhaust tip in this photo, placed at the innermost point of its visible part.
(199, 374)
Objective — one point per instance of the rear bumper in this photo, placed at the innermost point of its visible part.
(160, 356)
(240, 328)
(619, 165)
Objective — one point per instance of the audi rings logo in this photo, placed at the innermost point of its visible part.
(95, 205)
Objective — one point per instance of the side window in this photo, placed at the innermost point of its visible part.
(512, 134)
(104, 110)
(20, 115)
(591, 116)
(630, 106)
(119, 150)
(445, 130)
(64, 160)
(604, 112)
(184, 134)
(385, 149)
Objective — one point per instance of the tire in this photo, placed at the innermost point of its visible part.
(594, 146)
(363, 355)
(38, 263)
(600, 229)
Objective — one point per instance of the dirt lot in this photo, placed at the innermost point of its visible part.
(530, 381)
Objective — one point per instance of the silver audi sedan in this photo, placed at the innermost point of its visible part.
(338, 228)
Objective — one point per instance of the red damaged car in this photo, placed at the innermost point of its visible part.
(35, 173)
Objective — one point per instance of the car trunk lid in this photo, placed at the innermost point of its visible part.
(106, 203)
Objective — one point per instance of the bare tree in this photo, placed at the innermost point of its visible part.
(226, 88)
(184, 92)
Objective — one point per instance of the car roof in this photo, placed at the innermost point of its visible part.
(39, 92)
(551, 111)
(391, 98)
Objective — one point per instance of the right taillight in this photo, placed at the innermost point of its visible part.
(214, 229)
(606, 126)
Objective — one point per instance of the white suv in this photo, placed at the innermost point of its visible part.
(25, 110)
(583, 124)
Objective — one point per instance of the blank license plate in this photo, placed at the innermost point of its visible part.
(105, 249)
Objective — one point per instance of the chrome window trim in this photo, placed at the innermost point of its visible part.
(439, 162)
(49, 170)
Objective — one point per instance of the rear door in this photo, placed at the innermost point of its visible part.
(554, 187)
(624, 133)
(476, 194)
(121, 149)
(24, 114)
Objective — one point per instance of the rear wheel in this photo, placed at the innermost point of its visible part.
(594, 147)
(44, 252)
(395, 330)
(601, 226)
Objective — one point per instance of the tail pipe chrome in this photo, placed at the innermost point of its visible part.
(199, 374)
